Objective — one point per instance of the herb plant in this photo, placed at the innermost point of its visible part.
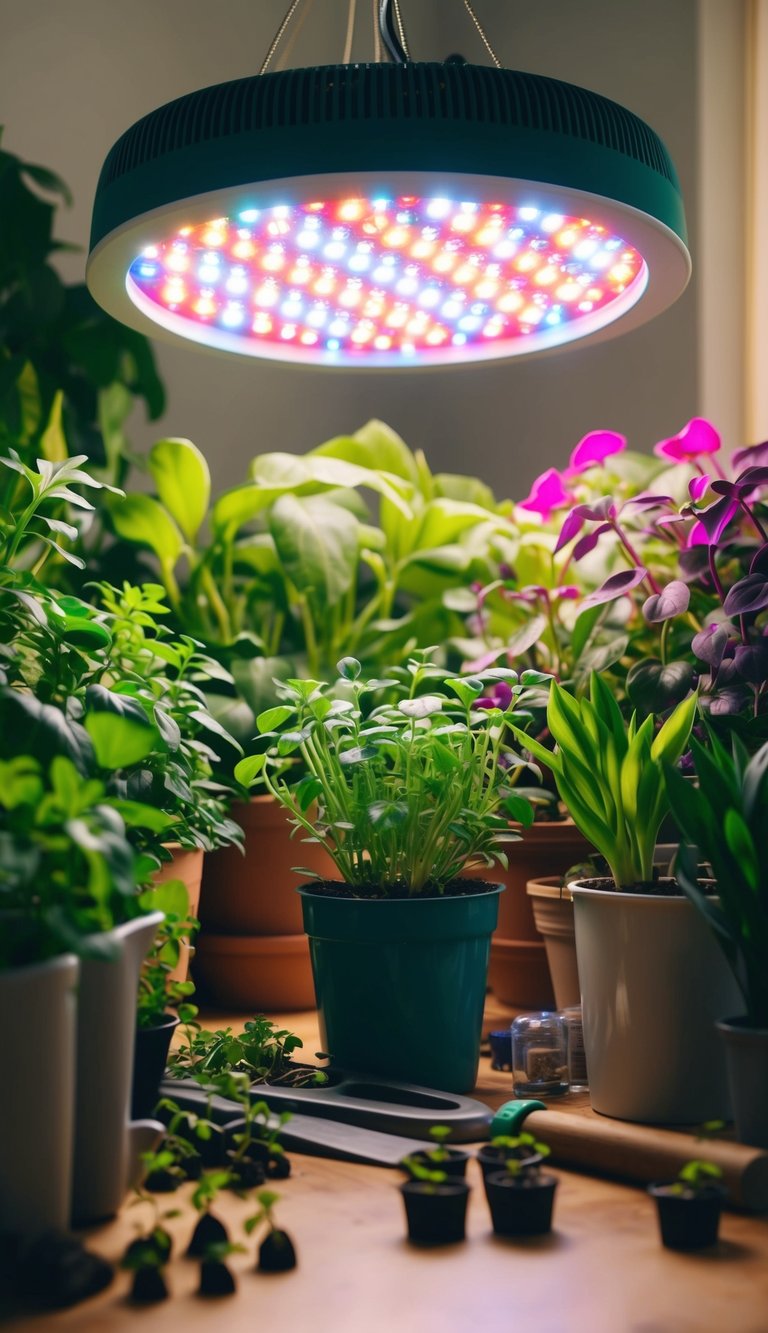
(261, 1050)
(158, 992)
(725, 816)
(610, 774)
(696, 1176)
(409, 793)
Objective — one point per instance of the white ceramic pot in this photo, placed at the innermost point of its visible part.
(37, 1103)
(108, 1146)
(653, 982)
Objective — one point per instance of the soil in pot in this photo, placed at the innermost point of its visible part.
(150, 1057)
(492, 1159)
(454, 1164)
(688, 1219)
(520, 1205)
(436, 1214)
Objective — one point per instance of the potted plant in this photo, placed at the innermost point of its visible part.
(162, 1000)
(652, 980)
(277, 1252)
(521, 1196)
(522, 1148)
(724, 816)
(689, 1207)
(453, 1161)
(435, 1206)
(409, 793)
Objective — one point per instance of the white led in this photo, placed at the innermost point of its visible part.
(334, 250)
(528, 214)
(439, 208)
(249, 215)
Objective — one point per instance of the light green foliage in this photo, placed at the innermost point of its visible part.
(411, 791)
(610, 774)
(158, 992)
(696, 1176)
(725, 816)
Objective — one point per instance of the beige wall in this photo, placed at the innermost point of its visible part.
(75, 73)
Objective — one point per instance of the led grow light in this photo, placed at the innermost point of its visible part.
(385, 280)
(388, 215)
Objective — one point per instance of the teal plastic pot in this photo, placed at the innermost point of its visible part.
(400, 983)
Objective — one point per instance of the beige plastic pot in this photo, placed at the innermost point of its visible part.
(553, 914)
(653, 982)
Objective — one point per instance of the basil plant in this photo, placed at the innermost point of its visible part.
(408, 793)
(610, 773)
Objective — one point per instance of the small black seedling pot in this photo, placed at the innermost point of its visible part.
(215, 1279)
(688, 1219)
(209, 1231)
(520, 1205)
(148, 1286)
(149, 1060)
(492, 1160)
(276, 1253)
(436, 1214)
(454, 1165)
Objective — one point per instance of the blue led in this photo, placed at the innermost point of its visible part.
(249, 215)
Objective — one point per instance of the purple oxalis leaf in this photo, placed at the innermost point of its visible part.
(694, 563)
(572, 525)
(698, 486)
(750, 594)
(671, 601)
(617, 585)
(754, 455)
(759, 561)
(595, 448)
(710, 644)
(716, 517)
(598, 511)
(697, 437)
(588, 543)
(650, 501)
(547, 494)
(751, 661)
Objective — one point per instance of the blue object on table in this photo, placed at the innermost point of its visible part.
(501, 1049)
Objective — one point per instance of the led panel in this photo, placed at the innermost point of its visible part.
(386, 281)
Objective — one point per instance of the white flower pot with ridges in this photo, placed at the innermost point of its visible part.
(37, 1103)
(108, 1146)
(653, 982)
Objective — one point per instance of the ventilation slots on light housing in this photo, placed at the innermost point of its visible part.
(388, 214)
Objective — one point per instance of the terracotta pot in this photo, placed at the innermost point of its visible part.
(254, 973)
(255, 893)
(553, 914)
(186, 864)
(519, 974)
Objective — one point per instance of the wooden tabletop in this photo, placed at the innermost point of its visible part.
(602, 1270)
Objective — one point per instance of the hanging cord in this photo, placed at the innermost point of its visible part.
(347, 56)
(481, 33)
(295, 31)
(393, 31)
(377, 52)
(278, 37)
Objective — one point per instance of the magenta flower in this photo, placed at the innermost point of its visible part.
(698, 486)
(499, 696)
(593, 449)
(697, 437)
(548, 493)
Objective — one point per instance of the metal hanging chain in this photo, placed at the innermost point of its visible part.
(377, 52)
(278, 37)
(294, 36)
(481, 33)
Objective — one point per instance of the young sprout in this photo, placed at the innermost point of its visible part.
(440, 1134)
(209, 1230)
(147, 1255)
(215, 1277)
(277, 1253)
(512, 1144)
(423, 1174)
(695, 1176)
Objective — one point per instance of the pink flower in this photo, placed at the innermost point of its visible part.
(499, 696)
(697, 437)
(698, 486)
(548, 493)
(594, 448)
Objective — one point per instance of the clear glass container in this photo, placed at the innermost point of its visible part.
(539, 1055)
(574, 1044)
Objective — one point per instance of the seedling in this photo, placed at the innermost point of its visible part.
(696, 1176)
(209, 1230)
(426, 1177)
(518, 1147)
(215, 1277)
(277, 1253)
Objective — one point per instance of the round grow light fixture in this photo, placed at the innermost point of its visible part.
(388, 215)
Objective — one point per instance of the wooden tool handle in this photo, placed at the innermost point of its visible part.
(642, 1152)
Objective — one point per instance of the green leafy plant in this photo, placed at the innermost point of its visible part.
(261, 1050)
(440, 1134)
(67, 868)
(409, 793)
(519, 1146)
(610, 774)
(277, 1253)
(724, 816)
(695, 1177)
(426, 1176)
(158, 991)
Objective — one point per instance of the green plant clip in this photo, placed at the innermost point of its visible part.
(510, 1117)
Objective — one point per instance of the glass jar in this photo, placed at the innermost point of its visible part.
(539, 1055)
(577, 1060)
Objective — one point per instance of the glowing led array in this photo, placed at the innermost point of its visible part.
(387, 278)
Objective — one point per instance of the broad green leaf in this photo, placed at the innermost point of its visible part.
(172, 897)
(137, 814)
(279, 473)
(272, 718)
(317, 545)
(374, 446)
(183, 482)
(740, 842)
(118, 740)
(140, 519)
(248, 769)
(672, 740)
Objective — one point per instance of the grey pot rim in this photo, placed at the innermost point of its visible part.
(671, 902)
